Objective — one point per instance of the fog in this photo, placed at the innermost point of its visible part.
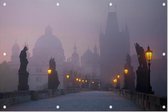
(79, 22)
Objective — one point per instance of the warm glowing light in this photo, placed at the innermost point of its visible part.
(148, 54)
(118, 76)
(125, 71)
(86, 81)
(4, 54)
(93, 82)
(77, 79)
(67, 76)
(115, 80)
(83, 81)
(49, 71)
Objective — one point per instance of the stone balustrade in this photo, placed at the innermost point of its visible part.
(145, 101)
(12, 98)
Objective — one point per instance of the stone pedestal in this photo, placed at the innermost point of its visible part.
(143, 81)
(23, 81)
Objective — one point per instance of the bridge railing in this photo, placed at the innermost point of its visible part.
(12, 98)
(145, 101)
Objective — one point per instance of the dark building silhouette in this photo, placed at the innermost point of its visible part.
(114, 45)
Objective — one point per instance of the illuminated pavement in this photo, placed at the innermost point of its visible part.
(93, 100)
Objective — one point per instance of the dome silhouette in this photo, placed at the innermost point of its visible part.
(47, 46)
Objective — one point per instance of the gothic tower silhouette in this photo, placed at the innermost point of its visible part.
(114, 46)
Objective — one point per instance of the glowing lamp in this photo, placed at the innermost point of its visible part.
(49, 71)
(125, 71)
(77, 79)
(118, 76)
(115, 80)
(67, 76)
(148, 54)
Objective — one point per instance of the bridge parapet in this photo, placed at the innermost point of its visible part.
(145, 101)
(12, 98)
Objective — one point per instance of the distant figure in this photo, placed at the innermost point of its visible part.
(53, 81)
(23, 74)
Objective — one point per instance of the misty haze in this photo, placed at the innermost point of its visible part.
(91, 41)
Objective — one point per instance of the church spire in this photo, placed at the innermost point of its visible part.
(112, 26)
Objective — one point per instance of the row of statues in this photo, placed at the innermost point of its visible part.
(143, 78)
(53, 81)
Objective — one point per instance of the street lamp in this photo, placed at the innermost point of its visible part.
(83, 81)
(118, 76)
(118, 80)
(148, 55)
(114, 81)
(67, 76)
(49, 71)
(125, 71)
(77, 79)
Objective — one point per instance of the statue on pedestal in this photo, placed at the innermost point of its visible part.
(129, 78)
(143, 79)
(23, 74)
(53, 81)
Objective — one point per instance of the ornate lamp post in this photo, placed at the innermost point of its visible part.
(148, 55)
(118, 84)
(126, 78)
(115, 82)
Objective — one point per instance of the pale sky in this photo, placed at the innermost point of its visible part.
(80, 21)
